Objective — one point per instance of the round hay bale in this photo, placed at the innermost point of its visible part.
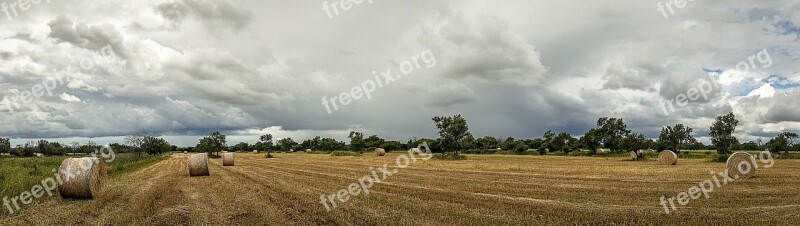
(185, 152)
(600, 151)
(414, 151)
(308, 150)
(198, 165)
(82, 178)
(380, 152)
(741, 165)
(39, 155)
(255, 151)
(667, 157)
(635, 155)
(228, 159)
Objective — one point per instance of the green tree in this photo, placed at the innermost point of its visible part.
(675, 138)
(452, 132)
(330, 144)
(508, 144)
(633, 142)
(592, 140)
(5, 145)
(357, 142)
(611, 131)
(155, 146)
(563, 142)
(266, 139)
(487, 143)
(374, 141)
(783, 142)
(721, 133)
(242, 147)
(286, 144)
(212, 144)
(548, 143)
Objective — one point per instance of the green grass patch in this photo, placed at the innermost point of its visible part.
(21, 174)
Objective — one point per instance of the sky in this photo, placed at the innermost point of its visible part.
(181, 69)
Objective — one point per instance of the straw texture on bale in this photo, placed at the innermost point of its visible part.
(228, 159)
(600, 151)
(741, 165)
(198, 165)
(380, 152)
(82, 178)
(667, 157)
(635, 155)
(414, 151)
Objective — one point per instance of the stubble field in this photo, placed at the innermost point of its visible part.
(484, 190)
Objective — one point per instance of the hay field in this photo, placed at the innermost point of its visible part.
(484, 190)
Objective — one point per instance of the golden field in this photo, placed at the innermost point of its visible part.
(483, 190)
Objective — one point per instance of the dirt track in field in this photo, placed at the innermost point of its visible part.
(484, 190)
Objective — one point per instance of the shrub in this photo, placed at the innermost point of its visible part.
(450, 156)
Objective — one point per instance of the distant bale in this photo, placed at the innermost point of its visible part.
(741, 165)
(185, 152)
(82, 178)
(600, 151)
(39, 155)
(255, 151)
(228, 159)
(635, 155)
(198, 165)
(380, 152)
(308, 150)
(667, 157)
(414, 151)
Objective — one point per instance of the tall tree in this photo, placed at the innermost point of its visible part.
(357, 142)
(487, 142)
(592, 140)
(155, 146)
(548, 143)
(674, 138)
(266, 139)
(5, 145)
(563, 142)
(611, 131)
(286, 144)
(135, 141)
(374, 141)
(633, 142)
(452, 132)
(721, 133)
(783, 143)
(212, 144)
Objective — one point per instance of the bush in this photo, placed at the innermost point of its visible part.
(345, 153)
(521, 149)
(450, 156)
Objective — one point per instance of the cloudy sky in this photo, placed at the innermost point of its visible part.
(183, 68)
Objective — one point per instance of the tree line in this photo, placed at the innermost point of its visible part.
(610, 134)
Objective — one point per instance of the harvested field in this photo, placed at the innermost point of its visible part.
(483, 190)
